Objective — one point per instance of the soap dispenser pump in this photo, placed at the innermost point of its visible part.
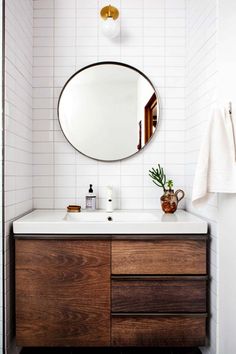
(91, 199)
(109, 200)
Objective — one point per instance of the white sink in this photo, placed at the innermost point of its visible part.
(99, 222)
(116, 216)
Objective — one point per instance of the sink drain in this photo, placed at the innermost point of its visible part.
(109, 218)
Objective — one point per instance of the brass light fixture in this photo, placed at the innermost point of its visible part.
(110, 25)
(109, 11)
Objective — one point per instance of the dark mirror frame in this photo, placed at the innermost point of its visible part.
(110, 63)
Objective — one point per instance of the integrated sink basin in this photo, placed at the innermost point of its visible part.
(100, 222)
(116, 216)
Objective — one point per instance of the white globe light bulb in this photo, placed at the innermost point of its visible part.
(110, 28)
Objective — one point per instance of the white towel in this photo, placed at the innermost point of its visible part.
(216, 167)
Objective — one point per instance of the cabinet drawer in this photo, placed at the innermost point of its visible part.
(164, 294)
(177, 331)
(159, 257)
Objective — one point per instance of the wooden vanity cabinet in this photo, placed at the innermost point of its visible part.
(111, 290)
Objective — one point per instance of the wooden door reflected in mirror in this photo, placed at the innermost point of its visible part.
(150, 121)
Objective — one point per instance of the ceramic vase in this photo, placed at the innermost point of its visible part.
(170, 200)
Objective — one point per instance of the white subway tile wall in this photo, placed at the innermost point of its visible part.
(201, 93)
(67, 36)
(18, 134)
(172, 41)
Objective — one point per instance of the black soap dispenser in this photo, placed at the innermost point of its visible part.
(91, 199)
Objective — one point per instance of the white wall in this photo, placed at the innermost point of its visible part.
(201, 82)
(227, 203)
(227, 267)
(18, 135)
(67, 37)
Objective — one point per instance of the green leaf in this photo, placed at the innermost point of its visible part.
(158, 176)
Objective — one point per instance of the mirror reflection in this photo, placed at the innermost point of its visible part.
(108, 111)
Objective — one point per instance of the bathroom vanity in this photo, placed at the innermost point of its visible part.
(107, 288)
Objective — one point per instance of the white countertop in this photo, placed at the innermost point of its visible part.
(123, 222)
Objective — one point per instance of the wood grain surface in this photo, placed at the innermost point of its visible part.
(159, 257)
(63, 296)
(158, 331)
(62, 293)
(159, 295)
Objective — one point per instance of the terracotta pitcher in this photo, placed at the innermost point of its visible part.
(170, 200)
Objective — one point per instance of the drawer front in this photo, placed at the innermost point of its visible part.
(162, 295)
(159, 257)
(177, 331)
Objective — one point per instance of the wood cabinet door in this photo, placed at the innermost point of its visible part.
(62, 293)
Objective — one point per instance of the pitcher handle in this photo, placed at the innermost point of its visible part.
(182, 196)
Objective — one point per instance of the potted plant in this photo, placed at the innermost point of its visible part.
(170, 198)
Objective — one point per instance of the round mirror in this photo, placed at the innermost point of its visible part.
(108, 111)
